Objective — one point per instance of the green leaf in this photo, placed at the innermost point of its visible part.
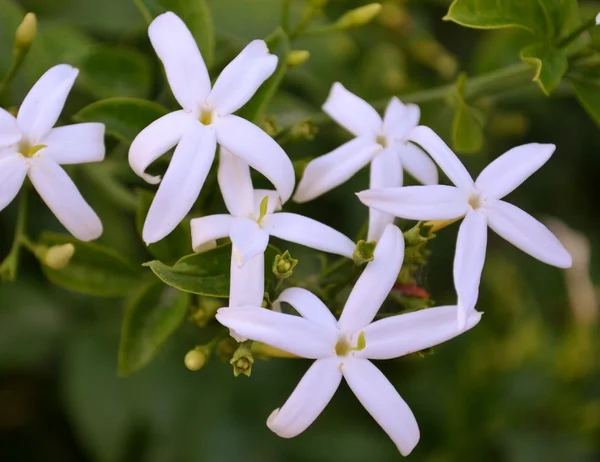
(173, 246)
(196, 15)
(93, 269)
(110, 71)
(150, 319)
(124, 117)
(587, 90)
(550, 65)
(467, 126)
(206, 273)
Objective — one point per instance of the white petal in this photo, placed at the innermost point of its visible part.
(418, 164)
(64, 199)
(209, 228)
(403, 334)
(309, 306)
(525, 232)
(308, 400)
(330, 170)
(184, 65)
(273, 204)
(386, 172)
(247, 283)
(156, 139)
(443, 155)
(382, 401)
(241, 78)
(182, 183)
(44, 102)
(75, 144)
(9, 130)
(248, 239)
(306, 231)
(435, 202)
(512, 168)
(400, 119)
(353, 113)
(236, 184)
(13, 169)
(375, 283)
(259, 150)
(293, 334)
(468, 262)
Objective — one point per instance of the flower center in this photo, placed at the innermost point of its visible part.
(263, 209)
(382, 140)
(343, 346)
(206, 116)
(475, 200)
(26, 150)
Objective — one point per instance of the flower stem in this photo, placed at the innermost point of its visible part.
(285, 15)
(575, 33)
(8, 268)
(143, 11)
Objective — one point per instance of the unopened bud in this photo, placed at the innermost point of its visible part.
(364, 252)
(359, 16)
(26, 32)
(196, 359)
(283, 265)
(58, 257)
(242, 359)
(296, 58)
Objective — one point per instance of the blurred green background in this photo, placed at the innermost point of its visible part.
(523, 386)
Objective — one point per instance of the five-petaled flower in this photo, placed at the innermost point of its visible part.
(343, 348)
(205, 120)
(30, 146)
(479, 202)
(383, 143)
(250, 223)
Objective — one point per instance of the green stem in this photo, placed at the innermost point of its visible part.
(340, 263)
(573, 35)
(8, 268)
(18, 57)
(285, 15)
(143, 11)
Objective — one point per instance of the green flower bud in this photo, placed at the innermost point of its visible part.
(364, 252)
(26, 32)
(283, 265)
(296, 58)
(58, 257)
(196, 359)
(359, 16)
(242, 359)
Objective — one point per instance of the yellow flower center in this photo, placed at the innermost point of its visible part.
(26, 150)
(206, 117)
(382, 140)
(343, 347)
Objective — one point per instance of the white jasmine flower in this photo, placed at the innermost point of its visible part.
(383, 143)
(205, 120)
(479, 202)
(252, 219)
(30, 146)
(343, 348)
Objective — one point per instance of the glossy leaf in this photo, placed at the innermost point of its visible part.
(150, 319)
(550, 65)
(124, 117)
(93, 269)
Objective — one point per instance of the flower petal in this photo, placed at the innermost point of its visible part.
(512, 168)
(309, 398)
(435, 202)
(408, 333)
(247, 283)
(309, 306)
(210, 228)
(75, 144)
(236, 184)
(400, 119)
(13, 169)
(182, 183)
(156, 139)
(248, 239)
(9, 130)
(44, 102)
(375, 283)
(353, 113)
(259, 150)
(443, 156)
(183, 62)
(241, 78)
(468, 262)
(525, 232)
(64, 199)
(293, 334)
(330, 170)
(418, 164)
(386, 172)
(382, 401)
(306, 231)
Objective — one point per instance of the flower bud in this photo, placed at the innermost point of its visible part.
(26, 32)
(58, 257)
(196, 359)
(242, 359)
(296, 58)
(419, 234)
(283, 265)
(359, 16)
(364, 252)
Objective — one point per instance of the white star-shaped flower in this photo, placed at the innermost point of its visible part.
(252, 219)
(30, 146)
(205, 120)
(479, 202)
(383, 143)
(343, 348)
